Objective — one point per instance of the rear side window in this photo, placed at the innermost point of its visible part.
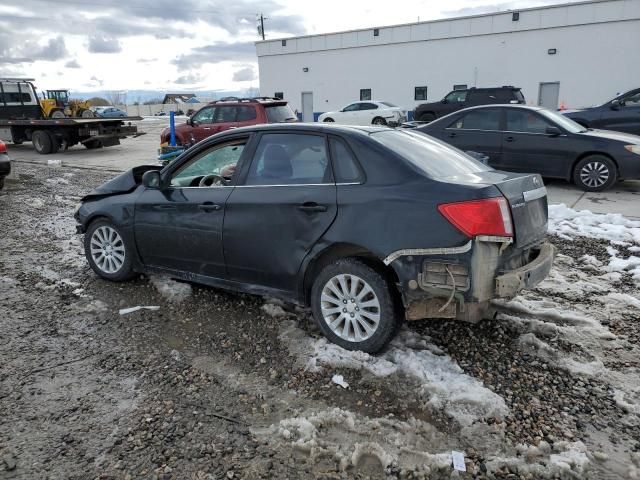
(345, 165)
(368, 106)
(225, 114)
(434, 158)
(279, 113)
(290, 159)
(478, 120)
(245, 113)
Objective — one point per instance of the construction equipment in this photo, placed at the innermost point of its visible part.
(56, 104)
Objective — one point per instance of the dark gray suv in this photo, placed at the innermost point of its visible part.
(470, 97)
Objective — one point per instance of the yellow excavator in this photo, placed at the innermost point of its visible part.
(56, 104)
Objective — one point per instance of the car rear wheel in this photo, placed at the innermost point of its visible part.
(328, 120)
(354, 306)
(379, 121)
(107, 252)
(595, 173)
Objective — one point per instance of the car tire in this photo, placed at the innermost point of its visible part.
(378, 121)
(107, 251)
(55, 143)
(328, 120)
(17, 142)
(86, 113)
(595, 173)
(41, 142)
(1, 183)
(57, 114)
(339, 315)
(427, 117)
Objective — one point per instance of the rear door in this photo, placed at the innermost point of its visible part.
(246, 115)
(224, 118)
(366, 113)
(283, 207)
(479, 131)
(526, 147)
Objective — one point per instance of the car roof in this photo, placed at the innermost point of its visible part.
(306, 127)
(259, 100)
(505, 87)
(499, 105)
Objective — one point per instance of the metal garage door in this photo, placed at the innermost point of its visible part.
(548, 96)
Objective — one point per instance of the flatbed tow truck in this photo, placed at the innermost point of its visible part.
(22, 119)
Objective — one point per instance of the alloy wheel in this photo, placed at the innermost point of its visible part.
(350, 307)
(594, 174)
(107, 249)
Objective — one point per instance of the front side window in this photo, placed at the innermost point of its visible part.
(219, 160)
(290, 159)
(632, 100)
(526, 121)
(365, 94)
(204, 116)
(456, 96)
(478, 120)
(351, 108)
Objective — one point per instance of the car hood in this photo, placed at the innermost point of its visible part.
(625, 138)
(123, 183)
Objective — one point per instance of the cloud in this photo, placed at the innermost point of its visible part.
(216, 53)
(72, 64)
(245, 74)
(100, 44)
(188, 79)
(16, 50)
(54, 49)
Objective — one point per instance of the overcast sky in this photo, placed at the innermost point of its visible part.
(182, 45)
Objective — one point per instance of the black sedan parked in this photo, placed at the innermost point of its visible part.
(621, 114)
(368, 225)
(5, 163)
(532, 139)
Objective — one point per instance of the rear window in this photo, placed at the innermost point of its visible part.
(431, 156)
(279, 113)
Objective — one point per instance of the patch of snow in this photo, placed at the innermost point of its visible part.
(170, 289)
(339, 380)
(126, 311)
(567, 223)
(624, 299)
(443, 384)
(273, 310)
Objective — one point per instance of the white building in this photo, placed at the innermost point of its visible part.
(569, 55)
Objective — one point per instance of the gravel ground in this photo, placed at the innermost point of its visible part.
(214, 385)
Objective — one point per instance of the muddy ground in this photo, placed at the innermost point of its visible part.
(218, 385)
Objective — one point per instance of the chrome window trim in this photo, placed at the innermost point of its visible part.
(534, 194)
(278, 185)
(472, 130)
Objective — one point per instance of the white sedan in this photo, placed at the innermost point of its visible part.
(367, 112)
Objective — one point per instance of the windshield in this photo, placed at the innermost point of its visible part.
(431, 156)
(564, 122)
(279, 113)
(388, 104)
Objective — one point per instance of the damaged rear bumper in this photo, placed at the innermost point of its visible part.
(527, 276)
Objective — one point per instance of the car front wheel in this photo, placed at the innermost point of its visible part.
(354, 306)
(595, 173)
(107, 252)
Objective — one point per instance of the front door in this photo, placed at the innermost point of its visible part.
(201, 124)
(526, 147)
(283, 207)
(623, 117)
(307, 106)
(477, 131)
(548, 95)
(179, 227)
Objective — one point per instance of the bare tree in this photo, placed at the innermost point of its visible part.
(117, 97)
(251, 92)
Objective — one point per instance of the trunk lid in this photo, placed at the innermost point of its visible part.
(527, 199)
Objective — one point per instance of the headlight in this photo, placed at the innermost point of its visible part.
(633, 149)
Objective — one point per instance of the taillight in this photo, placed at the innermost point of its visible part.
(3, 147)
(489, 216)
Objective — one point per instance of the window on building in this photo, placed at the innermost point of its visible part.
(515, 16)
(461, 86)
(284, 43)
(376, 32)
(279, 95)
(420, 93)
(365, 94)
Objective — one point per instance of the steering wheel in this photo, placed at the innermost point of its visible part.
(211, 181)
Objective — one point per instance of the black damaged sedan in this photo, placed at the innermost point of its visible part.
(367, 226)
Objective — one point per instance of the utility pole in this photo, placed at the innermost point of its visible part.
(261, 26)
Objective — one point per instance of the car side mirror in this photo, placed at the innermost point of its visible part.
(553, 131)
(151, 179)
(444, 100)
(615, 104)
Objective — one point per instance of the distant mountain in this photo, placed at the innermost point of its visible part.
(142, 96)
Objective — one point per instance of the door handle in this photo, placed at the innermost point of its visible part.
(206, 128)
(164, 207)
(312, 207)
(209, 207)
(510, 139)
(453, 134)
